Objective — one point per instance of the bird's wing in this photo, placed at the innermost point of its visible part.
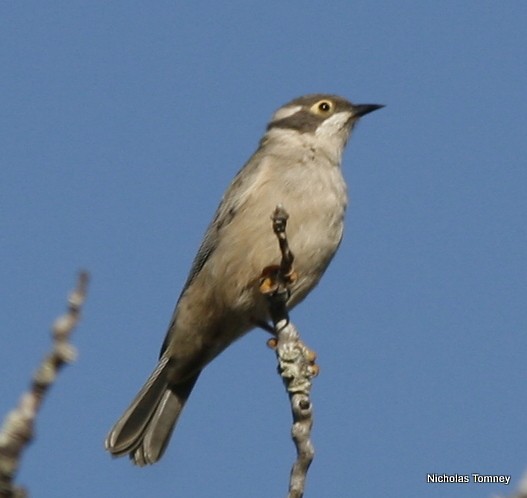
(234, 198)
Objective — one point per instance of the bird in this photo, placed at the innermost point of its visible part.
(297, 165)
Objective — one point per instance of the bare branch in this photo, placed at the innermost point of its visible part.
(521, 492)
(522, 488)
(18, 428)
(296, 363)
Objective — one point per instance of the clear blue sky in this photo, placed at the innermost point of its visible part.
(121, 125)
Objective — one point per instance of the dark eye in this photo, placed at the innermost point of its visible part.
(324, 106)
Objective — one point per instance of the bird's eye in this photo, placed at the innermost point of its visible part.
(323, 107)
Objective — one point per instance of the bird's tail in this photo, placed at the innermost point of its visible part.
(146, 426)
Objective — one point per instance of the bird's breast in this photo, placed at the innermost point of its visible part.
(314, 195)
(223, 300)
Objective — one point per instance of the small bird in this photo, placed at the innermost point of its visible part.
(298, 165)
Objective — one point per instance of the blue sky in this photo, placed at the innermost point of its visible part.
(121, 125)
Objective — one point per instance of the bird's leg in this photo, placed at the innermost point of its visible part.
(277, 279)
(275, 283)
(262, 324)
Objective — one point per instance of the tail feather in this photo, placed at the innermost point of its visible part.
(157, 434)
(145, 428)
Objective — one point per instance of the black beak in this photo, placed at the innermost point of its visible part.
(360, 110)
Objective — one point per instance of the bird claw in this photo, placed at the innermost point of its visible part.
(272, 279)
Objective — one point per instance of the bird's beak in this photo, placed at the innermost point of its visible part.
(360, 110)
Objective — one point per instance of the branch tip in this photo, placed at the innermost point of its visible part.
(17, 430)
(296, 362)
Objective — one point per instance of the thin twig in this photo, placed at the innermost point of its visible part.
(18, 428)
(296, 363)
(521, 491)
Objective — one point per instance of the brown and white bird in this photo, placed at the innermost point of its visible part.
(298, 165)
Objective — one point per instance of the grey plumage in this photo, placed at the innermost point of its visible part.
(297, 164)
